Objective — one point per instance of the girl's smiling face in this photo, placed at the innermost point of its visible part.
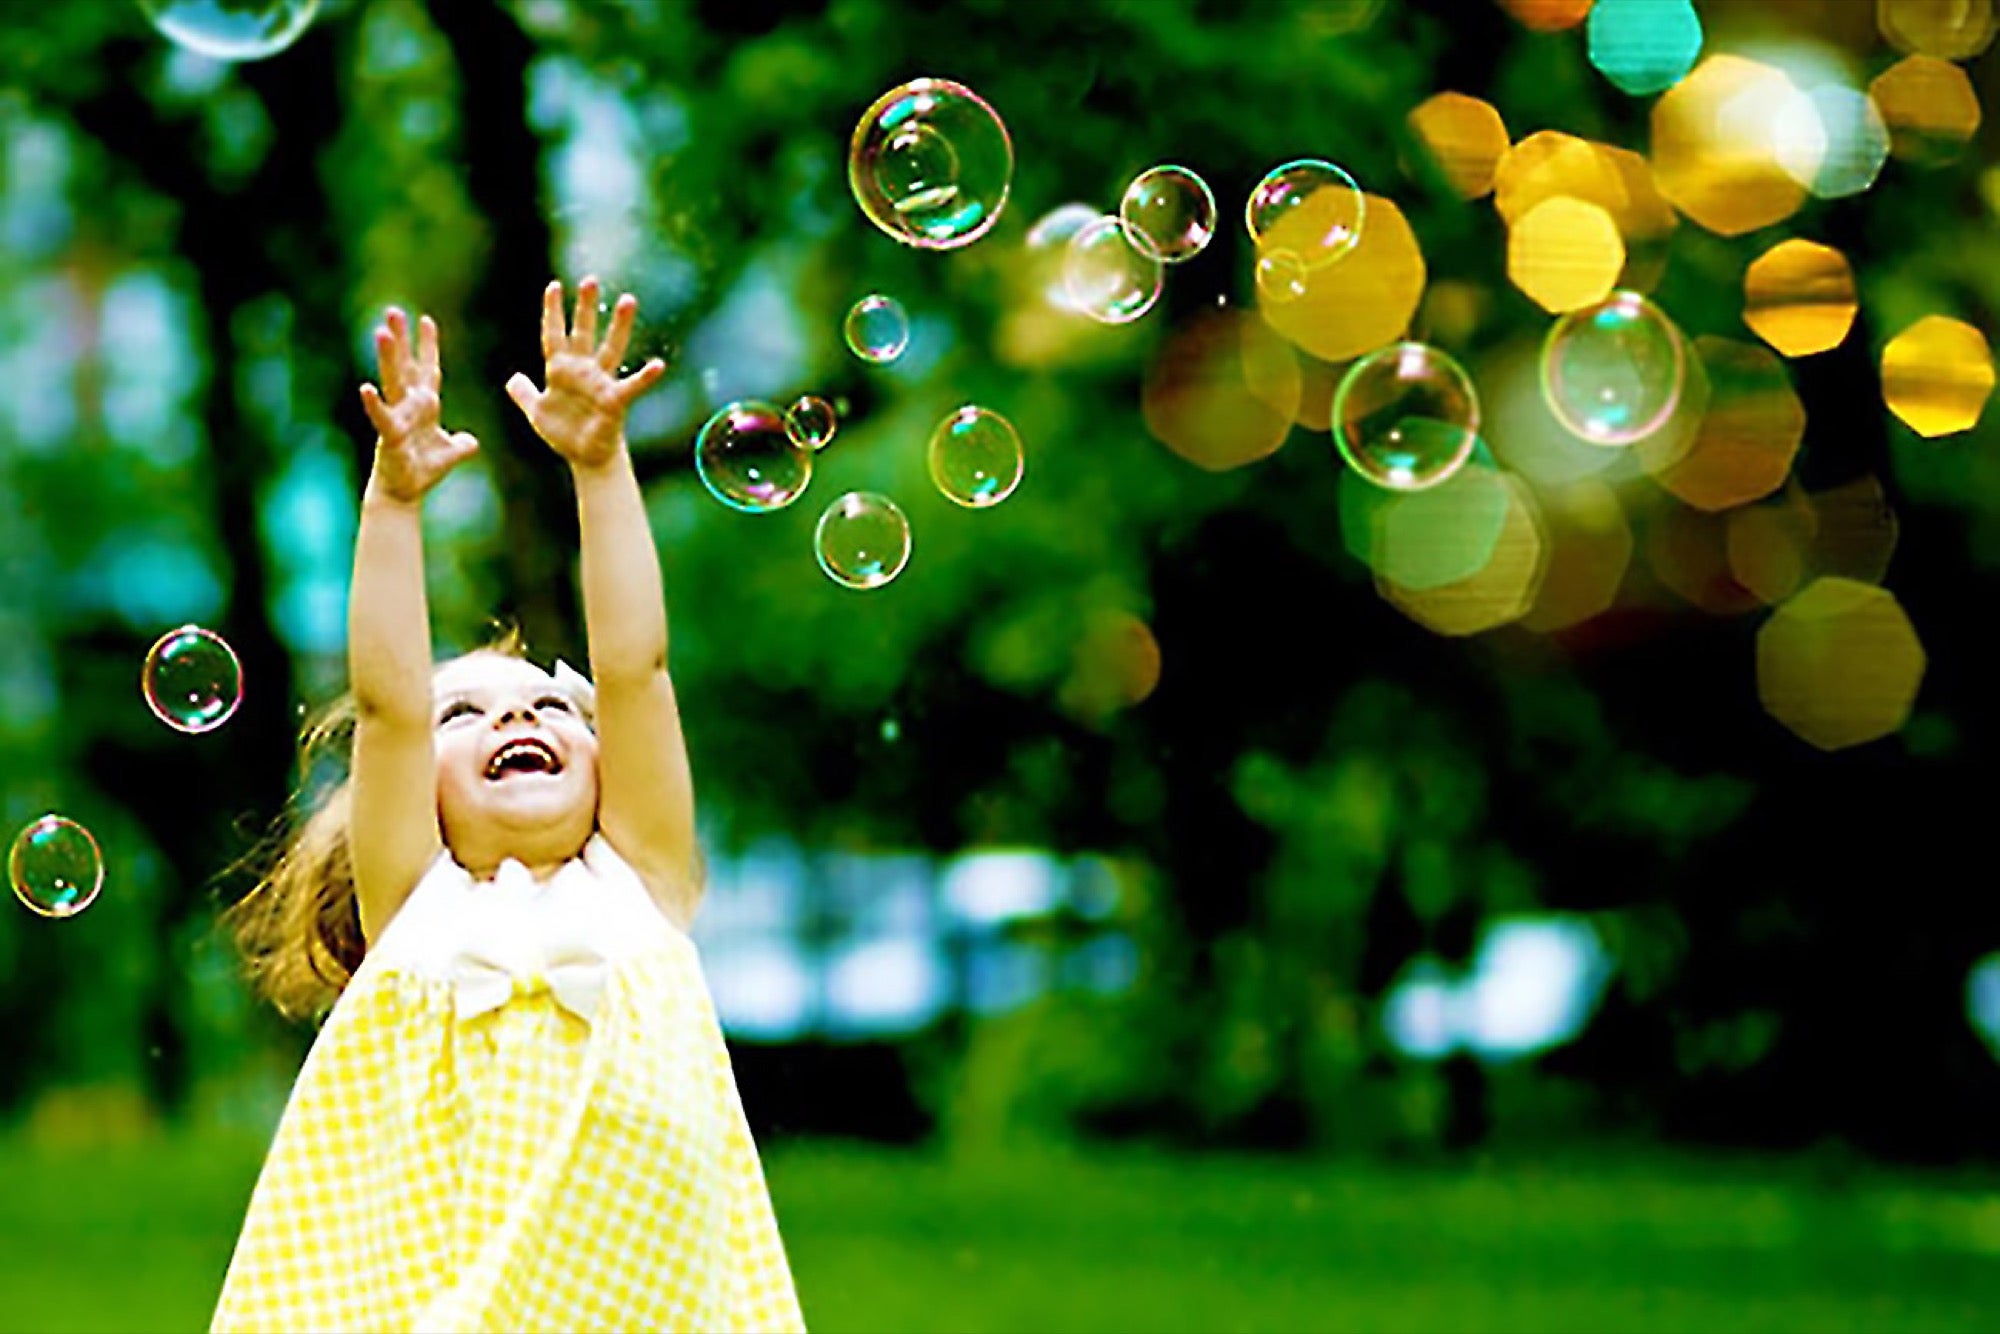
(516, 762)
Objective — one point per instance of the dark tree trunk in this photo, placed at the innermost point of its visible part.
(503, 175)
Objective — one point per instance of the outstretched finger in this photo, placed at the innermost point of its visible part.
(583, 330)
(522, 390)
(639, 381)
(553, 333)
(427, 351)
(620, 333)
(378, 414)
(389, 359)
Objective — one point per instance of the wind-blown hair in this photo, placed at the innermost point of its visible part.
(299, 929)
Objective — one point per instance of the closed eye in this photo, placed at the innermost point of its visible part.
(554, 702)
(457, 708)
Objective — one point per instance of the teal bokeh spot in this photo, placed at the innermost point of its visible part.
(1644, 46)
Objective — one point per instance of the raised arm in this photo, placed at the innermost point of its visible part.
(645, 789)
(393, 834)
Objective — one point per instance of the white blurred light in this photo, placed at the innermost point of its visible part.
(1982, 1000)
(1532, 985)
(987, 888)
(891, 985)
(761, 989)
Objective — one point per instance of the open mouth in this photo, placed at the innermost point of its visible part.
(526, 756)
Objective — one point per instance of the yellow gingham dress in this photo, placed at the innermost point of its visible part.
(464, 1150)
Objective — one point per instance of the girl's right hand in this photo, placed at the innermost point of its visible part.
(414, 451)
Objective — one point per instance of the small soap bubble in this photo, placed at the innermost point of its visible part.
(1169, 213)
(975, 457)
(863, 540)
(1612, 373)
(231, 29)
(1320, 194)
(811, 422)
(191, 680)
(877, 329)
(1406, 416)
(55, 867)
(1106, 278)
(1281, 277)
(748, 460)
(930, 164)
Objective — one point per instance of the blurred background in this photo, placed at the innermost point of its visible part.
(1206, 890)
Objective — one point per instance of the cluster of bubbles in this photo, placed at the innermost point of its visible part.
(192, 681)
(930, 164)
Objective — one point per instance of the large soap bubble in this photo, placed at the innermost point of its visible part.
(930, 164)
(231, 29)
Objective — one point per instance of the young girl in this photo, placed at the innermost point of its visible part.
(519, 1114)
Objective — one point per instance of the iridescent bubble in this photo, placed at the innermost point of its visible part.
(975, 457)
(55, 867)
(863, 540)
(1336, 217)
(1168, 213)
(1107, 279)
(1048, 249)
(877, 330)
(1281, 277)
(748, 460)
(191, 680)
(1406, 416)
(811, 422)
(231, 29)
(930, 164)
(1612, 372)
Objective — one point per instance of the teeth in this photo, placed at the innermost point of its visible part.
(495, 766)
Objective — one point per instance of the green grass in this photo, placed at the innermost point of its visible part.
(136, 1239)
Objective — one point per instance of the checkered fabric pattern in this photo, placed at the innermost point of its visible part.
(521, 1170)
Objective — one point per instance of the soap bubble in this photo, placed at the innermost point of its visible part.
(748, 460)
(1337, 204)
(877, 329)
(1406, 416)
(191, 680)
(975, 457)
(231, 29)
(55, 867)
(930, 164)
(1168, 213)
(1047, 247)
(1106, 278)
(1281, 277)
(1612, 372)
(811, 422)
(863, 540)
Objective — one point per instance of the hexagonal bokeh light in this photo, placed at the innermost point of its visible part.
(1643, 46)
(1946, 29)
(1716, 140)
(1798, 296)
(1360, 301)
(1465, 137)
(1839, 664)
(1929, 107)
(1749, 435)
(1547, 15)
(1222, 392)
(1565, 254)
(1937, 375)
(1499, 592)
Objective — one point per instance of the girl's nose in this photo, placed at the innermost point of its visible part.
(525, 712)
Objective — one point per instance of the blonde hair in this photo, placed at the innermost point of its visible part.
(299, 929)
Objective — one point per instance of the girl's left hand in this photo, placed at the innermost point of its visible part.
(581, 412)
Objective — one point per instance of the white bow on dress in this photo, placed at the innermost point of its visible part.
(486, 974)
